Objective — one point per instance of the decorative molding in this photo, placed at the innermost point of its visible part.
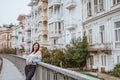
(101, 16)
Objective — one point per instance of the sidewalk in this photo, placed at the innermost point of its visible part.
(10, 72)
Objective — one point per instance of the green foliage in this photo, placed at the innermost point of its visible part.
(55, 57)
(58, 57)
(115, 72)
(117, 66)
(76, 53)
(8, 51)
(46, 57)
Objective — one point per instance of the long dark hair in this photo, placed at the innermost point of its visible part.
(33, 47)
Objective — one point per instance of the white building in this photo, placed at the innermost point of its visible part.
(55, 23)
(33, 19)
(28, 38)
(67, 19)
(22, 43)
(15, 29)
(101, 21)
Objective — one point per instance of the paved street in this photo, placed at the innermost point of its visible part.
(10, 72)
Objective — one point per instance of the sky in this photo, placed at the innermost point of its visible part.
(11, 9)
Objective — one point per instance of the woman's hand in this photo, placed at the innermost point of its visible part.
(28, 63)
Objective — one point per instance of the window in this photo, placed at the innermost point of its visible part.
(22, 39)
(54, 42)
(55, 27)
(117, 31)
(102, 33)
(61, 10)
(59, 27)
(89, 11)
(90, 35)
(91, 60)
(73, 35)
(118, 59)
(98, 5)
(103, 59)
(116, 2)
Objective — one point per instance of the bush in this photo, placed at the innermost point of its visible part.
(115, 72)
(8, 51)
(117, 66)
(54, 57)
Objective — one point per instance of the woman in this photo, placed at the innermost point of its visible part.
(31, 61)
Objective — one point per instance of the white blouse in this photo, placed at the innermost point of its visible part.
(34, 57)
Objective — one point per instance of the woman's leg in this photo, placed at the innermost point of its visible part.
(26, 70)
(31, 72)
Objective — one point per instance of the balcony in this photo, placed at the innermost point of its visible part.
(42, 5)
(15, 36)
(43, 32)
(28, 29)
(28, 38)
(55, 3)
(71, 26)
(32, 3)
(42, 19)
(44, 0)
(55, 18)
(97, 48)
(44, 43)
(70, 4)
(55, 35)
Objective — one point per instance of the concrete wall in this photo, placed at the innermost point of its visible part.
(46, 71)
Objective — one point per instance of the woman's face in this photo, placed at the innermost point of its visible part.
(35, 47)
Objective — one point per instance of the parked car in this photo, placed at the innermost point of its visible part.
(1, 63)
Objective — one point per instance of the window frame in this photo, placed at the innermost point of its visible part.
(102, 33)
(97, 6)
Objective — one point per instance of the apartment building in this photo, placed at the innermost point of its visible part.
(101, 21)
(5, 37)
(55, 22)
(39, 22)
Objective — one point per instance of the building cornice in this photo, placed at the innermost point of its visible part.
(101, 16)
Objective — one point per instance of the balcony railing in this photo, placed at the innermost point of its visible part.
(71, 26)
(44, 43)
(44, 0)
(42, 18)
(70, 4)
(42, 5)
(43, 32)
(55, 35)
(28, 29)
(55, 3)
(105, 47)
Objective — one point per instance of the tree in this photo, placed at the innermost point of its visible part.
(76, 52)
(58, 57)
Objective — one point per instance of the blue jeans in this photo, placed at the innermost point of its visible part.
(29, 71)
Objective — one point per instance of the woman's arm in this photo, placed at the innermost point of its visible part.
(36, 60)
